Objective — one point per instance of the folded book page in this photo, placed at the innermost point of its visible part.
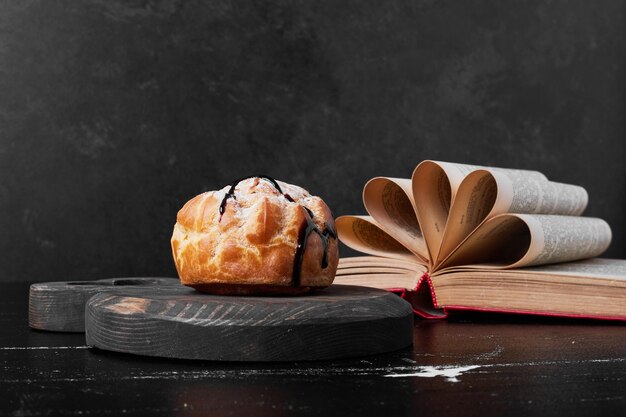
(518, 240)
(364, 234)
(389, 202)
(485, 193)
(449, 215)
(435, 185)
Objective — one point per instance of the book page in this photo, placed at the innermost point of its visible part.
(498, 242)
(362, 233)
(517, 240)
(476, 198)
(374, 271)
(387, 201)
(486, 193)
(390, 273)
(566, 238)
(614, 269)
(587, 288)
(546, 197)
(377, 261)
(434, 185)
(531, 192)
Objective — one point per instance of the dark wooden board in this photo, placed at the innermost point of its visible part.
(60, 306)
(340, 321)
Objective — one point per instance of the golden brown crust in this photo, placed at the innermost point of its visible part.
(254, 242)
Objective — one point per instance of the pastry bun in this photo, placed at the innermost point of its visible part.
(256, 236)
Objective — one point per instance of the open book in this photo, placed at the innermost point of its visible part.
(467, 237)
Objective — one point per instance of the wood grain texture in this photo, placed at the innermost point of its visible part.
(341, 321)
(60, 306)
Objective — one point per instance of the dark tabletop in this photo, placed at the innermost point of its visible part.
(470, 364)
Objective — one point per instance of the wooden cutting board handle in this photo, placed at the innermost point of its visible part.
(60, 306)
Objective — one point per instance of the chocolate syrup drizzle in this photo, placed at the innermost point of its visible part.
(306, 229)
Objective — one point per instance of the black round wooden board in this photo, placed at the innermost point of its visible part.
(60, 306)
(340, 321)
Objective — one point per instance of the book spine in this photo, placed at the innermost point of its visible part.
(422, 298)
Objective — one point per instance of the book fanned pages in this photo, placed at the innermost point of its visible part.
(466, 237)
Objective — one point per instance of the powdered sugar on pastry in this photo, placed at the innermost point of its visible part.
(244, 238)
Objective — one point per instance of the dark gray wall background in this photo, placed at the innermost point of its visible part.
(114, 113)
